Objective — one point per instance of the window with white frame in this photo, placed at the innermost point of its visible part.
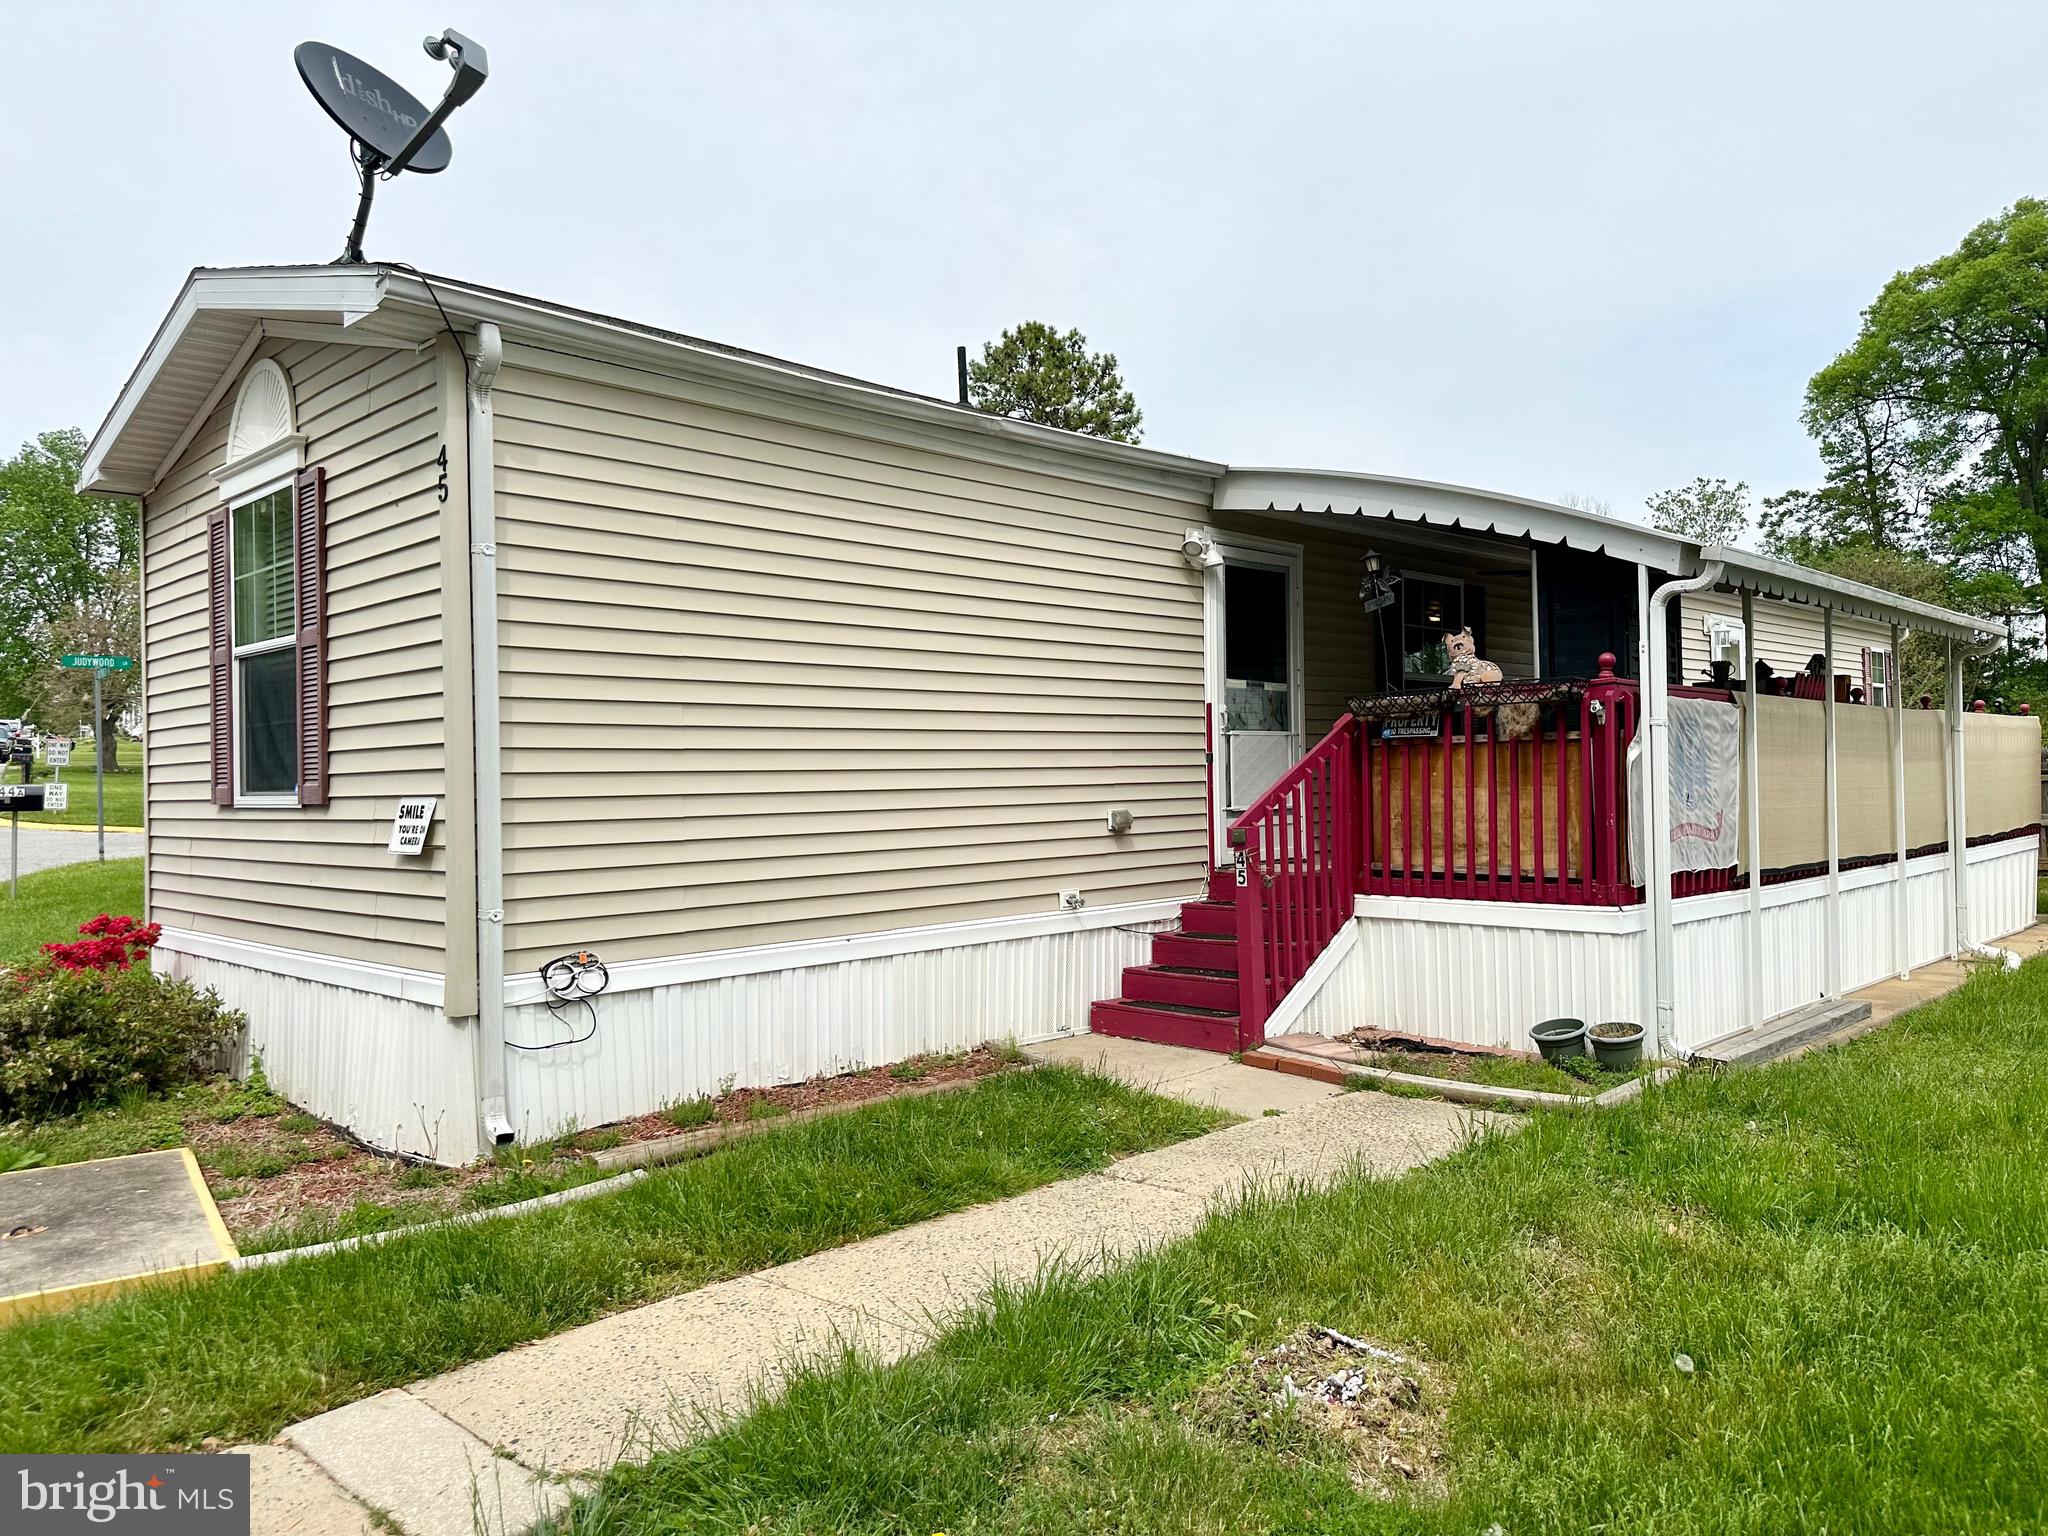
(1880, 675)
(262, 579)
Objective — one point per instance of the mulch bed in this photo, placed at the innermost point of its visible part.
(847, 1088)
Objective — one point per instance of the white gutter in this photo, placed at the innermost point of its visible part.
(492, 1109)
(1657, 797)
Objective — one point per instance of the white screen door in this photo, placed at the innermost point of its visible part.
(1260, 675)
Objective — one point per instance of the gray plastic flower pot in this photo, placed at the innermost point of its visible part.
(1616, 1052)
(1559, 1038)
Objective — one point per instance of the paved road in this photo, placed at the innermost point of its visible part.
(46, 847)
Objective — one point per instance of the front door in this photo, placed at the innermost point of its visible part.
(1258, 673)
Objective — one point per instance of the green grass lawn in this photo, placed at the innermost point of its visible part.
(52, 903)
(124, 790)
(1802, 1298)
(241, 1355)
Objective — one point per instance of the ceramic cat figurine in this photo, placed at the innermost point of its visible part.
(1468, 667)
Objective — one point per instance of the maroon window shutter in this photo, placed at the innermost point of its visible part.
(220, 666)
(309, 522)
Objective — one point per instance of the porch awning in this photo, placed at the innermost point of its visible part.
(1782, 579)
(1447, 506)
(1426, 502)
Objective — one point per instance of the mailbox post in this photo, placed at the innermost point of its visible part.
(16, 798)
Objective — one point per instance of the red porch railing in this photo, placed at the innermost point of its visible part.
(1296, 853)
(1500, 792)
(1519, 793)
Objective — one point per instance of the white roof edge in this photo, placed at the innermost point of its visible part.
(1782, 578)
(336, 290)
(1259, 489)
(536, 316)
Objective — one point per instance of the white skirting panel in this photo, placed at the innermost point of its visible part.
(1483, 977)
(394, 1072)
(1485, 972)
(1930, 909)
(655, 1045)
(2003, 886)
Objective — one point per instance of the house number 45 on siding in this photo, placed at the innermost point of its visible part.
(441, 485)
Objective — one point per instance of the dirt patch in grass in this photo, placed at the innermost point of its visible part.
(1384, 1407)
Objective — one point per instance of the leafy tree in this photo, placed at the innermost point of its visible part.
(107, 622)
(68, 566)
(1036, 374)
(1948, 378)
(1707, 511)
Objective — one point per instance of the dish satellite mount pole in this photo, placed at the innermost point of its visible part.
(389, 130)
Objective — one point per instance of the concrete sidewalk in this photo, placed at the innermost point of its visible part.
(494, 1444)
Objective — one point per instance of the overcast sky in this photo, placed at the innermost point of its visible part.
(1539, 248)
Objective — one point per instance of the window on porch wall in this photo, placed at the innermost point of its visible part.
(1431, 607)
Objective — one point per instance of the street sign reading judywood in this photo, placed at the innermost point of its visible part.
(100, 663)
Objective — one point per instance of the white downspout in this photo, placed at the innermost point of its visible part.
(1895, 698)
(1657, 796)
(492, 1108)
(1832, 983)
(1753, 813)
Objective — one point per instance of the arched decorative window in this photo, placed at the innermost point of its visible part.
(266, 607)
(263, 446)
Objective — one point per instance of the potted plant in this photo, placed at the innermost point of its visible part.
(1559, 1038)
(1617, 1046)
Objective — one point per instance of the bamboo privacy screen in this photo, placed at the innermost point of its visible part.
(2002, 773)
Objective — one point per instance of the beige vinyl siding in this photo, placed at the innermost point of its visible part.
(772, 674)
(1340, 638)
(1787, 634)
(317, 879)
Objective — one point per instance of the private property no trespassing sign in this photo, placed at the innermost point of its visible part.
(409, 826)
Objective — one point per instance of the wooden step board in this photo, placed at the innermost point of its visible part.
(1188, 995)
(1784, 1034)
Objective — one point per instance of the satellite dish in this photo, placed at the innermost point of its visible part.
(375, 110)
(390, 131)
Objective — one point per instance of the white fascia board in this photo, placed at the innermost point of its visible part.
(1548, 916)
(1448, 506)
(1795, 583)
(330, 970)
(333, 291)
(539, 324)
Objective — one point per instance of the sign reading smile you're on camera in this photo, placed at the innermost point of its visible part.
(409, 826)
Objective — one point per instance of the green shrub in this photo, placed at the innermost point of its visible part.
(73, 1038)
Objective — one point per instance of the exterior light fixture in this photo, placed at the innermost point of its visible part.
(1199, 550)
(1375, 586)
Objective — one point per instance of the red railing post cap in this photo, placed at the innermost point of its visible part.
(1607, 659)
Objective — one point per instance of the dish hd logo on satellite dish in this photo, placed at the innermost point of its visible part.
(163, 1495)
(370, 95)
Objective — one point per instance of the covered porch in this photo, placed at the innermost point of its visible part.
(1462, 863)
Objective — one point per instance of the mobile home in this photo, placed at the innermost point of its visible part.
(842, 723)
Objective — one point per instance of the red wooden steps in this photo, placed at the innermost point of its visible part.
(1188, 994)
